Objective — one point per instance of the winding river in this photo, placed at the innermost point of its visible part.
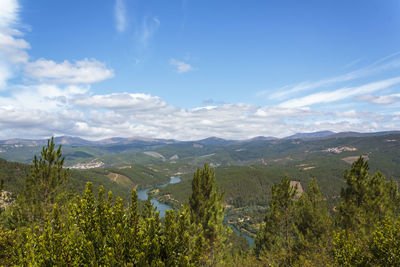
(161, 207)
(249, 239)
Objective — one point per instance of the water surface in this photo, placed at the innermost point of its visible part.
(161, 207)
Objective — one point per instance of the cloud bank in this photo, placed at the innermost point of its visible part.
(94, 116)
(84, 71)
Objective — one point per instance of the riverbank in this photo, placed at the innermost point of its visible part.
(143, 194)
(166, 202)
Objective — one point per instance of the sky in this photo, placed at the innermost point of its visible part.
(188, 70)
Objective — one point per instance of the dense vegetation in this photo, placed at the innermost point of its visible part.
(49, 225)
(247, 189)
(120, 181)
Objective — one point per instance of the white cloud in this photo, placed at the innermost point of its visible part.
(84, 71)
(120, 15)
(5, 74)
(47, 109)
(119, 101)
(381, 100)
(389, 62)
(43, 97)
(12, 47)
(181, 67)
(150, 26)
(304, 86)
(32, 123)
(13, 57)
(8, 13)
(339, 94)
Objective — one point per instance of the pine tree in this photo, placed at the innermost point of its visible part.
(43, 184)
(275, 239)
(184, 241)
(368, 206)
(313, 227)
(118, 234)
(366, 200)
(350, 210)
(207, 210)
(133, 242)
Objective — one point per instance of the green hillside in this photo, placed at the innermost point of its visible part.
(13, 175)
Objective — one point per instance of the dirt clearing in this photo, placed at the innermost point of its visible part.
(121, 179)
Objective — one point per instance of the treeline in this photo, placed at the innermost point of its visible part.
(12, 174)
(46, 226)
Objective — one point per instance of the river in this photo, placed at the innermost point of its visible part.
(161, 207)
(249, 239)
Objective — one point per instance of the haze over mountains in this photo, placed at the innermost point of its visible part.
(77, 141)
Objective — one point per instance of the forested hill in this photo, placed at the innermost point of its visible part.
(13, 175)
(383, 147)
(119, 180)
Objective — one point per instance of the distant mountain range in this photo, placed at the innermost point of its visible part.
(77, 141)
(310, 135)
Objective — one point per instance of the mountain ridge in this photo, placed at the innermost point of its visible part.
(310, 135)
(78, 141)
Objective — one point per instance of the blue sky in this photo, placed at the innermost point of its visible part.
(191, 69)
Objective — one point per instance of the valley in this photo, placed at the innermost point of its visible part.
(245, 169)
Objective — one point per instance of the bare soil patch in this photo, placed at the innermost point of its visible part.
(121, 179)
(351, 159)
(125, 167)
